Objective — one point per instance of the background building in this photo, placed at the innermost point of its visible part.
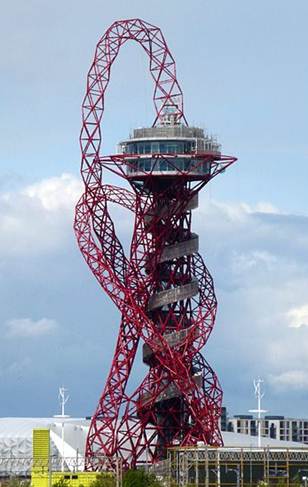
(272, 426)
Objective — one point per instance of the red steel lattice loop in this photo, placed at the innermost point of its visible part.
(179, 401)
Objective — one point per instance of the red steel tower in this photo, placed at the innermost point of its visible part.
(162, 289)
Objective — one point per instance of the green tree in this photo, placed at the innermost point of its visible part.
(16, 482)
(61, 483)
(140, 478)
(104, 479)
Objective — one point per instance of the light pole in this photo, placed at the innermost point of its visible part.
(259, 395)
(63, 398)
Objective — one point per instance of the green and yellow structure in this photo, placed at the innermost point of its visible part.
(42, 474)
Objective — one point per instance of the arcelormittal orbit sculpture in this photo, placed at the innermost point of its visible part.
(162, 289)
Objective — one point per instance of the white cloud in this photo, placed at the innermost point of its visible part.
(292, 379)
(39, 218)
(256, 254)
(57, 193)
(262, 207)
(258, 259)
(298, 316)
(26, 327)
(242, 262)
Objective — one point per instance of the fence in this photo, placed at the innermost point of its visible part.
(45, 473)
(198, 467)
(234, 467)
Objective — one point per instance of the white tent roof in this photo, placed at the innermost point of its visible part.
(16, 441)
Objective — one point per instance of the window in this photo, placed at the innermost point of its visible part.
(147, 164)
(172, 149)
(132, 166)
(140, 148)
(163, 165)
(130, 149)
(179, 164)
(187, 147)
(187, 164)
(206, 168)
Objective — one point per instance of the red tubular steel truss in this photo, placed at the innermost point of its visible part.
(163, 290)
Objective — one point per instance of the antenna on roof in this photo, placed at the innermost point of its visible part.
(257, 383)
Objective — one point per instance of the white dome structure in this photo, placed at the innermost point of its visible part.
(16, 442)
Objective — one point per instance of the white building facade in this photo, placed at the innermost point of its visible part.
(275, 427)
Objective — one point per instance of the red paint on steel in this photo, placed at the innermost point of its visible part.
(179, 401)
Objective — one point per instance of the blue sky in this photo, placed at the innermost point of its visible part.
(244, 72)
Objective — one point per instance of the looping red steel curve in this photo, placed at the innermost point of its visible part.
(179, 400)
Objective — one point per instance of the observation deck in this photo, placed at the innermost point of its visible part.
(169, 150)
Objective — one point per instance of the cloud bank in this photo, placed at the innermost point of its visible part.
(26, 327)
(257, 256)
(38, 219)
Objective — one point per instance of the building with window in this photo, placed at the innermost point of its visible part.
(272, 426)
(167, 150)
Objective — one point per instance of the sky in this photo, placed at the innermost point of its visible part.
(244, 72)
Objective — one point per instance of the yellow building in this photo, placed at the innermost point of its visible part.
(42, 472)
